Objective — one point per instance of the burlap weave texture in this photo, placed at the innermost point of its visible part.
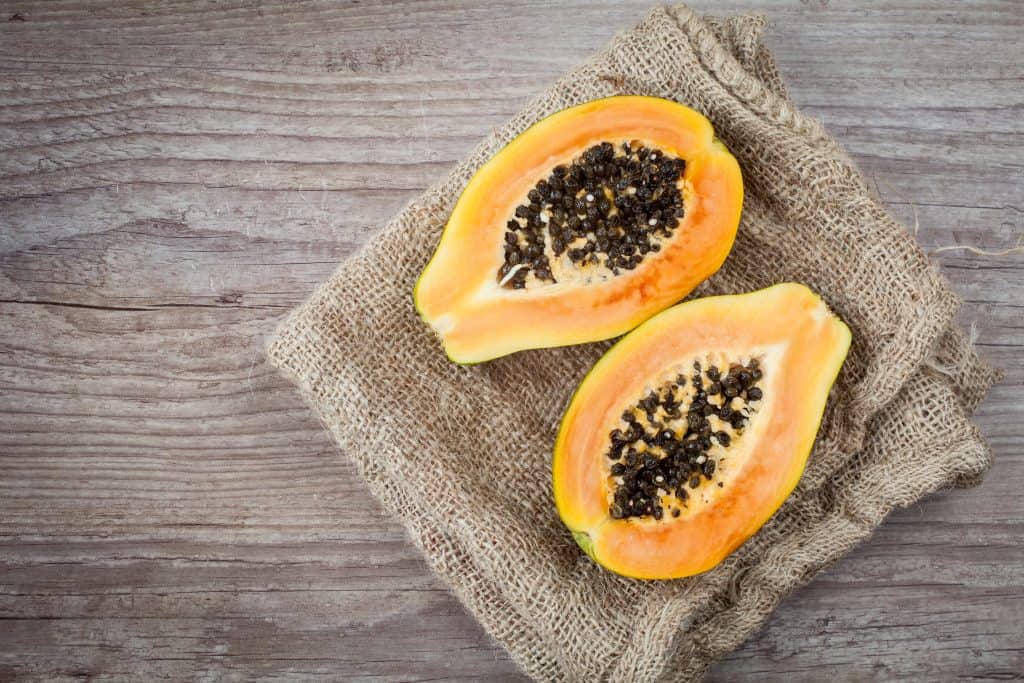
(462, 454)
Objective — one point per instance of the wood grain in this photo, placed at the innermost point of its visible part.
(177, 175)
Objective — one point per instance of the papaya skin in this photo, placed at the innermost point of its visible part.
(457, 293)
(807, 345)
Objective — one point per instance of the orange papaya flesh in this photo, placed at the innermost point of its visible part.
(693, 429)
(581, 228)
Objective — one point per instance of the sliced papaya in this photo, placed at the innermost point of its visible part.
(581, 228)
(691, 431)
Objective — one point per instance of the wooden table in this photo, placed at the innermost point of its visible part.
(176, 177)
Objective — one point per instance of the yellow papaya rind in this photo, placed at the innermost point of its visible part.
(457, 293)
(814, 345)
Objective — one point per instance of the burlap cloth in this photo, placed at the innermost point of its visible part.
(462, 454)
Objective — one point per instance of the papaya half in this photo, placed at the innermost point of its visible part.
(581, 228)
(691, 431)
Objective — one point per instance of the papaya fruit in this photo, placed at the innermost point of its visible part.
(691, 431)
(581, 228)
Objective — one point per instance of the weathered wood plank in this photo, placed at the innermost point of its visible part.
(175, 176)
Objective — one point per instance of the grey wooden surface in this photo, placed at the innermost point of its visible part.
(174, 177)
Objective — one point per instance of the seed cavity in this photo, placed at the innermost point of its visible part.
(606, 210)
(663, 443)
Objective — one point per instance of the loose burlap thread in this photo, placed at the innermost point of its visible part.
(462, 454)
